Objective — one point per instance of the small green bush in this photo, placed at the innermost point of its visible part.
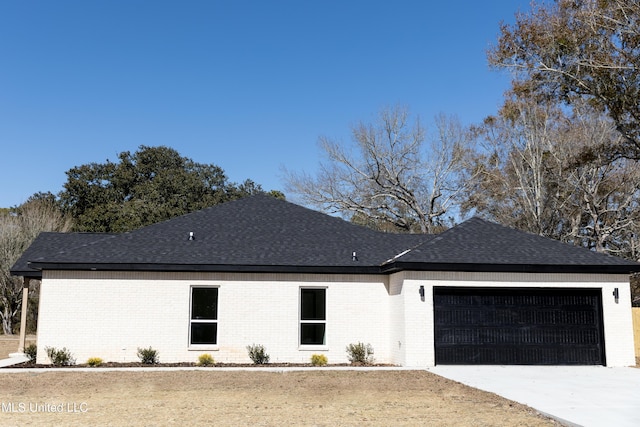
(206, 360)
(319, 359)
(31, 351)
(94, 361)
(258, 354)
(360, 353)
(62, 357)
(148, 356)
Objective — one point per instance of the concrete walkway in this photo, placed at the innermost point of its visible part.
(575, 395)
(14, 359)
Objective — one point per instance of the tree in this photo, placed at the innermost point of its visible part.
(516, 170)
(151, 185)
(579, 49)
(532, 176)
(390, 176)
(607, 193)
(18, 229)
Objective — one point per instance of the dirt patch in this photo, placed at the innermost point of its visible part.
(312, 398)
(320, 398)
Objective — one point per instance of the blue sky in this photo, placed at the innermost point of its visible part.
(246, 85)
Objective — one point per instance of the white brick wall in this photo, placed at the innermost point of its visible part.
(111, 314)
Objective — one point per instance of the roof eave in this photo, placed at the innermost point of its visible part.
(511, 268)
(213, 268)
(32, 274)
(37, 267)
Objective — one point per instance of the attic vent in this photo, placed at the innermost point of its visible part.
(191, 236)
(354, 256)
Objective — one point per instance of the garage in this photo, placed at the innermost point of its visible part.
(518, 326)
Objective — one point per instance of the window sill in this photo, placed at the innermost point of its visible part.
(204, 347)
(313, 348)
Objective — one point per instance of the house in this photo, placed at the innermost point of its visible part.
(265, 271)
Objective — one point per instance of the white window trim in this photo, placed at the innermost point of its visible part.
(313, 347)
(201, 347)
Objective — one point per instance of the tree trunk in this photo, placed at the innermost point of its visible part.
(7, 321)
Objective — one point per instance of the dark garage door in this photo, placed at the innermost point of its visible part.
(518, 326)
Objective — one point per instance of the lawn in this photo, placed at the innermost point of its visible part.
(321, 397)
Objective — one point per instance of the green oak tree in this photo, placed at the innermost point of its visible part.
(150, 185)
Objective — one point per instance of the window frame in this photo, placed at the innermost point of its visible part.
(191, 321)
(301, 321)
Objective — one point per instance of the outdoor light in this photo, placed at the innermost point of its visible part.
(191, 236)
(354, 256)
(421, 291)
(616, 294)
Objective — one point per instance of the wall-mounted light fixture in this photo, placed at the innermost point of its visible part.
(191, 236)
(421, 292)
(616, 295)
(354, 256)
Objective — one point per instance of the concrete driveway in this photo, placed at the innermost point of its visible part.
(574, 395)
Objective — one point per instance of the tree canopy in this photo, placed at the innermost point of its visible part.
(579, 49)
(150, 185)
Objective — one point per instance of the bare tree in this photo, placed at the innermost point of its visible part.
(607, 193)
(515, 174)
(533, 176)
(391, 174)
(18, 228)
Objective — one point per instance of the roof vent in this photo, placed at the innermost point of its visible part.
(191, 236)
(354, 256)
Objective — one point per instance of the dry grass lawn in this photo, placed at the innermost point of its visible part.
(254, 397)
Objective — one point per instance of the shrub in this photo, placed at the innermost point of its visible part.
(205, 360)
(148, 356)
(318, 359)
(62, 357)
(31, 351)
(258, 354)
(94, 361)
(360, 353)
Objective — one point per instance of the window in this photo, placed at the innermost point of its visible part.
(313, 317)
(204, 316)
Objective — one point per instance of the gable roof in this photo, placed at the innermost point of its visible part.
(264, 234)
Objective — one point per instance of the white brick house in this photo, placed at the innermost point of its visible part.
(264, 271)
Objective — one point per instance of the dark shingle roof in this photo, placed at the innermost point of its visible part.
(255, 233)
(478, 245)
(261, 233)
(49, 243)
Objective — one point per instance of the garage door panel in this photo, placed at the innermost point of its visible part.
(518, 326)
(519, 356)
